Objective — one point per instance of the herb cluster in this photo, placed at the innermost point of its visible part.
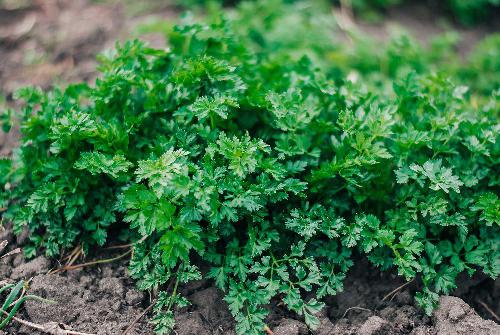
(276, 158)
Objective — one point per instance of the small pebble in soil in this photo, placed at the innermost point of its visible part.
(456, 313)
(133, 297)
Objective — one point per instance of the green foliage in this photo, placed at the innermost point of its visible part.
(483, 68)
(472, 11)
(269, 156)
(465, 12)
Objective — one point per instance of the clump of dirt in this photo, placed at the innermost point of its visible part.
(454, 316)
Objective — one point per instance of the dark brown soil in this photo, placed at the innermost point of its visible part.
(55, 41)
(102, 300)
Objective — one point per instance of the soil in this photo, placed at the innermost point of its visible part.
(45, 42)
(102, 300)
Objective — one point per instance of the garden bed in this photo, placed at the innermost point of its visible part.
(103, 299)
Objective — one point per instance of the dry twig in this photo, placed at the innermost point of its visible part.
(396, 290)
(486, 307)
(53, 328)
(355, 307)
(137, 319)
(73, 256)
(3, 245)
(99, 261)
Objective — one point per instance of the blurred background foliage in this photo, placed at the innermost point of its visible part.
(467, 12)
